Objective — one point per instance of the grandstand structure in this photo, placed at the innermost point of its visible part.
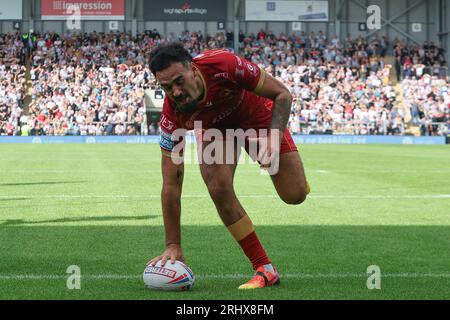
(372, 46)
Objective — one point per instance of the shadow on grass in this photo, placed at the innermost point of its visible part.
(329, 256)
(43, 183)
(36, 203)
(14, 199)
(13, 222)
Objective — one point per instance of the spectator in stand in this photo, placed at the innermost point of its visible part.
(12, 83)
(93, 84)
(429, 101)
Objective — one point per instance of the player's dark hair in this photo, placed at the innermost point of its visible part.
(164, 55)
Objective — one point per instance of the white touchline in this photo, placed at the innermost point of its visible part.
(151, 196)
(250, 165)
(374, 171)
(93, 171)
(21, 277)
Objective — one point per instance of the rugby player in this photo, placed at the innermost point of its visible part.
(224, 91)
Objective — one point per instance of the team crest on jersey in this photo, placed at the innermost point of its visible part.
(252, 69)
(225, 93)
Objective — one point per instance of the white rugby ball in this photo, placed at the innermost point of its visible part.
(171, 277)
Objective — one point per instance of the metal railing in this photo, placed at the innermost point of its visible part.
(58, 128)
(434, 128)
(368, 128)
(439, 72)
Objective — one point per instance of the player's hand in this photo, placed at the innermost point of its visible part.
(269, 151)
(173, 252)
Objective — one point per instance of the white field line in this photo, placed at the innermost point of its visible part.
(65, 159)
(195, 196)
(22, 277)
(94, 171)
(321, 171)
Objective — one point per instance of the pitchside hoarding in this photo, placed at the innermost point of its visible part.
(301, 139)
(286, 10)
(88, 9)
(182, 10)
(10, 10)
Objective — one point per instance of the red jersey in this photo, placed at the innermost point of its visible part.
(228, 102)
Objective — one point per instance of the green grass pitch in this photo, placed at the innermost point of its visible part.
(98, 207)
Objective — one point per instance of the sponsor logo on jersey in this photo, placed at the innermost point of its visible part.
(222, 75)
(224, 114)
(166, 123)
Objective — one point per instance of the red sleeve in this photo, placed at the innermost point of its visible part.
(245, 73)
(168, 125)
(168, 121)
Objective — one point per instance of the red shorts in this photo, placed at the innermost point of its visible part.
(259, 118)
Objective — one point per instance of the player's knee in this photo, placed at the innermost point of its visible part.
(295, 198)
(219, 191)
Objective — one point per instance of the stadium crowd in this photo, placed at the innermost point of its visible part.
(93, 84)
(414, 60)
(428, 98)
(339, 87)
(12, 83)
(89, 84)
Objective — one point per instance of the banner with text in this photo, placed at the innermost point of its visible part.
(182, 10)
(286, 10)
(85, 9)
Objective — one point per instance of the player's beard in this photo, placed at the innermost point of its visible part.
(187, 107)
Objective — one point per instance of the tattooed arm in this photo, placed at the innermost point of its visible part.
(282, 98)
(273, 89)
(171, 207)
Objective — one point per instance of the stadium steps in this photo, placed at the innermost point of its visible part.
(28, 86)
(413, 130)
(392, 74)
(409, 127)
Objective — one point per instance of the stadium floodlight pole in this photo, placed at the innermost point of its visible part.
(236, 26)
(32, 15)
(133, 17)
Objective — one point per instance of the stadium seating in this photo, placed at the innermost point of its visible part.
(12, 83)
(99, 83)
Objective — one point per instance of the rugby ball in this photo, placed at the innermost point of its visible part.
(171, 277)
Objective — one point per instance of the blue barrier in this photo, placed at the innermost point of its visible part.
(80, 139)
(359, 139)
(301, 139)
